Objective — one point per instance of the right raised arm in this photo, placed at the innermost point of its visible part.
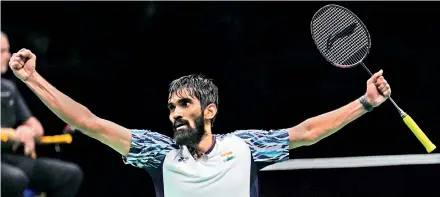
(78, 116)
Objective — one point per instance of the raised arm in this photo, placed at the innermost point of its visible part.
(71, 112)
(319, 127)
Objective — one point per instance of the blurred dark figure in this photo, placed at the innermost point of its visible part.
(54, 177)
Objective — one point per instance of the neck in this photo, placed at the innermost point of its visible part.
(206, 142)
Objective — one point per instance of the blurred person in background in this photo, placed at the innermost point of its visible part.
(54, 177)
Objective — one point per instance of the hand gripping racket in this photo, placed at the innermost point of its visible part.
(345, 42)
(7, 135)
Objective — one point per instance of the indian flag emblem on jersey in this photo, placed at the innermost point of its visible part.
(227, 156)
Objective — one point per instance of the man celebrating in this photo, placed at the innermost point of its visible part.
(196, 162)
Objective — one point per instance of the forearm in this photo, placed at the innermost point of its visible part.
(71, 112)
(64, 107)
(319, 127)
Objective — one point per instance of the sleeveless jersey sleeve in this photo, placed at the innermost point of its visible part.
(148, 149)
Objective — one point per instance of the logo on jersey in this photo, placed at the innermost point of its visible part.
(227, 156)
(182, 159)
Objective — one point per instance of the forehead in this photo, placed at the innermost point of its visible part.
(183, 93)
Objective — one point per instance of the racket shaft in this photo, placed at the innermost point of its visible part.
(419, 133)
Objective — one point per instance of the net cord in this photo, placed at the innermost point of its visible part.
(355, 162)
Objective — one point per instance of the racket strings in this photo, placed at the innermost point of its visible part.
(344, 51)
(341, 48)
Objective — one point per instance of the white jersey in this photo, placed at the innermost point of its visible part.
(229, 168)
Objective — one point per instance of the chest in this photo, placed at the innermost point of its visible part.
(226, 168)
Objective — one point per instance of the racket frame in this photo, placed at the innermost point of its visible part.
(320, 11)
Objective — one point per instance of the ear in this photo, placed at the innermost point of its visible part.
(210, 111)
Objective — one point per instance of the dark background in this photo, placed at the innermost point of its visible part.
(117, 58)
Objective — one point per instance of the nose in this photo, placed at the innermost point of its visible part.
(177, 117)
(177, 114)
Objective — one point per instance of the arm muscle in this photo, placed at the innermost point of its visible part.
(319, 127)
(78, 116)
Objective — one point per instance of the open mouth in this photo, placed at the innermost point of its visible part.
(180, 125)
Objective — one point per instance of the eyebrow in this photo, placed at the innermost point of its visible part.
(179, 101)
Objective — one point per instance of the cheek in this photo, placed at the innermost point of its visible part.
(192, 122)
(193, 118)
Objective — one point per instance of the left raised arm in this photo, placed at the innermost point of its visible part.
(319, 127)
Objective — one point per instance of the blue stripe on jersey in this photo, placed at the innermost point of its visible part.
(266, 146)
(148, 149)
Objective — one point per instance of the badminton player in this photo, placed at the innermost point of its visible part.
(196, 162)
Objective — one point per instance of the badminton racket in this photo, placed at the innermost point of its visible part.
(344, 41)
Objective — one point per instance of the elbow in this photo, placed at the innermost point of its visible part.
(312, 137)
(312, 134)
(86, 123)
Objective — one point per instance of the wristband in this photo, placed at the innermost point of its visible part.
(366, 105)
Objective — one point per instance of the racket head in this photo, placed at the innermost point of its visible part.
(340, 36)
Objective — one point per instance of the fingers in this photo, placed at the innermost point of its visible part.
(19, 59)
(379, 81)
(26, 54)
(16, 62)
(383, 86)
(375, 76)
(387, 91)
(29, 148)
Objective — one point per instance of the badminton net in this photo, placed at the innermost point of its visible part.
(412, 175)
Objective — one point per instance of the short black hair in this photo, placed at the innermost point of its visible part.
(198, 86)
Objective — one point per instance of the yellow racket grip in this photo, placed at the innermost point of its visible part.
(5, 137)
(65, 138)
(419, 133)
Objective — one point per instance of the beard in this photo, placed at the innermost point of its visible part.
(189, 136)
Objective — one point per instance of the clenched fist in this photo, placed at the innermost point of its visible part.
(378, 89)
(22, 64)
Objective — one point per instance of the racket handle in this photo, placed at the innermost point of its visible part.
(419, 133)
